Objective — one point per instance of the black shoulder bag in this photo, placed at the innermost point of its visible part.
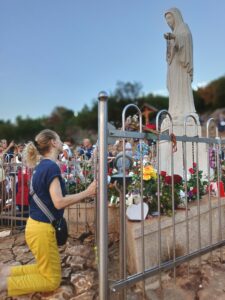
(60, 225)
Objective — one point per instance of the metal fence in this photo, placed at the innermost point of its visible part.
(206, 220)
(199, 228)
(14, 193)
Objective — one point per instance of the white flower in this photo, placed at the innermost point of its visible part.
(114, 171)
(182, 194)
(157, 194)
(129, 200)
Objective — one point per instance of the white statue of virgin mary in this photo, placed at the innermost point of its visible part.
(180, 65)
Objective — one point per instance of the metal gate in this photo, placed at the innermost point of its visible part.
(14, 191)
(209, 238)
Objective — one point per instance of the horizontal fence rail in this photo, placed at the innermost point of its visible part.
(163, 137)
(14, 194)
(201, 224)
(121, 284)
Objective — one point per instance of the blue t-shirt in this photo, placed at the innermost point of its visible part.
(87, 152)
(43, 175)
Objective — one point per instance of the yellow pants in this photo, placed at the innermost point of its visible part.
(45, 274)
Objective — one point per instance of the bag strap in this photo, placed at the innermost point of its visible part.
(40, 203)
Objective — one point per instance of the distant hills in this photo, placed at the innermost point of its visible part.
(212, 96)
(208, 99)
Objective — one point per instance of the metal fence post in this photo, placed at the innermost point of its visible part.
(103, 195)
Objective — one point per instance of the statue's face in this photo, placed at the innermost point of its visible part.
(170, 20)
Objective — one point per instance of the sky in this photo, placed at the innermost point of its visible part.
(63, 52)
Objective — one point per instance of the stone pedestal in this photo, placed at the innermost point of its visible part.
(81, 218)
(151, 245)
(165, 148)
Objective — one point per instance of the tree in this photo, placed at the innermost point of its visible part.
(61, 120)
(199, 102)
(127, 90)
(27, 128)
(214, 93)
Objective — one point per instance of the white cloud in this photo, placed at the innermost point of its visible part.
(162, 92)
(197, 85)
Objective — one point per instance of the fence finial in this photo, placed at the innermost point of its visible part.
(102, 96)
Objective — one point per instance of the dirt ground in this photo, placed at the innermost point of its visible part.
(202, 282)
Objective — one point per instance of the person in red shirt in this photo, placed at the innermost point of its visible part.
(22, 189)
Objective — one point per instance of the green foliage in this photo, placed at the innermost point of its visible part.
(150, 189)
(192, 183)
(63, 121)
(159, 102)
(7, 130)
(199, 102)
(113, 194)
(76, 184)
(27, 128)
(220, 92)
(166, 204)
(213, 94)
(88, 117)
(127, 90)
(223, 172)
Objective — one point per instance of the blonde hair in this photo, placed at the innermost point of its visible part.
(40, 146)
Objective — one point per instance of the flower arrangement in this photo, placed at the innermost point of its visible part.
(223, 172)
(212, 157)
(166, 193)
(149, 173)
(113, 194)
(214, 183)
(150, 188)
(78, 178)
(192, 183)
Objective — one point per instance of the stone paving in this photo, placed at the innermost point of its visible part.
(80, 280)
(79, 274)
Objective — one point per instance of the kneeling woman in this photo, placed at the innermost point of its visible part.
(45, 274)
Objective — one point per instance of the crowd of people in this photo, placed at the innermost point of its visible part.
(72, 161)
(43, 156)
(13, 171)
(42, 168)
(12, 152)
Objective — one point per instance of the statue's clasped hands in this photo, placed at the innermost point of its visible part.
(169, 36)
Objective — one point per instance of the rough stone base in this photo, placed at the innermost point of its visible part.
(191, 149)
(81, 218)
(151, 237)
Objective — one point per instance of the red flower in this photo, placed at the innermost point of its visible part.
(177, 178)
(110, 171)
(63, 168)
(194, 191)
(150, 126)
(163, 173)
(86, 172)
(168, 179)
(192, 171)
(194, 164)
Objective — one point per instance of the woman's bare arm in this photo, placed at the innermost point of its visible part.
(61, 201)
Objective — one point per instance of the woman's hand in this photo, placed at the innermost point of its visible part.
(92, 189)
(61, 201)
